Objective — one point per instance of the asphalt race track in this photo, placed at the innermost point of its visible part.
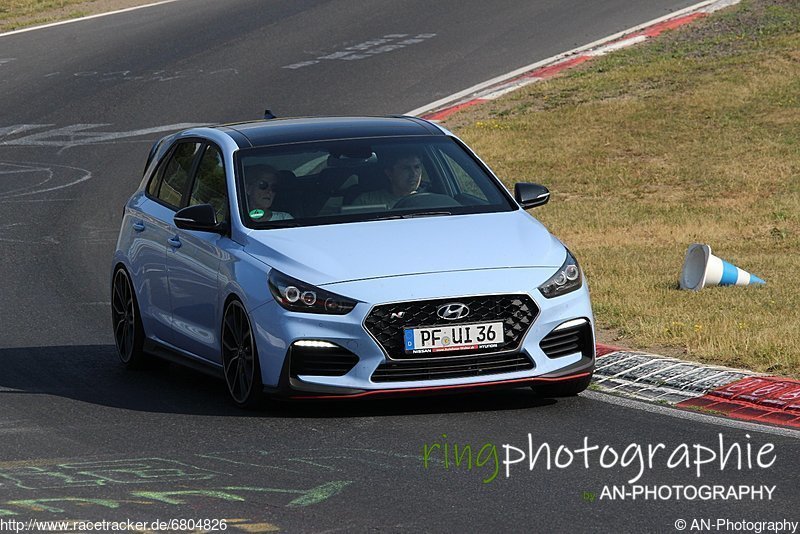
(81, 438)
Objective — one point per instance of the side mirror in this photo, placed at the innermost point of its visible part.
(531, 195)
(200, 217)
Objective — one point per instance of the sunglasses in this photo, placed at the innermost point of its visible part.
(264, 185)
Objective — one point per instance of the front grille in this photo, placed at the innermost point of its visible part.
(321, 361)
(568, 341)
(517, 312)
(433, 369)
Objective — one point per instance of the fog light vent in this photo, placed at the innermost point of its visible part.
(569, 338)
(320, 358)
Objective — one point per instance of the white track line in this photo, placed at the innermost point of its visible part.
(70, 21)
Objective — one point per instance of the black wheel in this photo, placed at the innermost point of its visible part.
(565, 388)
(128, 330)
(240, 358)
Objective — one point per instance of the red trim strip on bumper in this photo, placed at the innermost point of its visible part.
(441, 388)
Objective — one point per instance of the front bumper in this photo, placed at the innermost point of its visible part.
(277, 329)
(299, 390)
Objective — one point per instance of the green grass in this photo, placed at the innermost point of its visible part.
(694, 137)
(16, 14)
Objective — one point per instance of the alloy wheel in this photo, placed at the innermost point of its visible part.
(239, 355)
(123, 315)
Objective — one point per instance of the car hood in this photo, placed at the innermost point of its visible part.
(338, 253)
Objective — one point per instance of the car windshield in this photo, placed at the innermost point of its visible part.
(354, 180)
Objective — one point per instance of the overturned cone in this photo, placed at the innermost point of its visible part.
(701, 269)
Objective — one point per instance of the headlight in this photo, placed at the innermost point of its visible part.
(568, 278)
(298, 296)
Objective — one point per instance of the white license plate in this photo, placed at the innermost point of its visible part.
(453, 337)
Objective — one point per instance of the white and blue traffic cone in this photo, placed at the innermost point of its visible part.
(701, 269)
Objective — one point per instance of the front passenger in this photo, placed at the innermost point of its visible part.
(262, 187)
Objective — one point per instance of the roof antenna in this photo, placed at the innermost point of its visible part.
(269, 115)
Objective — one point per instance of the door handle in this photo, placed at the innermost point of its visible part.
(138, 226)
(174, 241)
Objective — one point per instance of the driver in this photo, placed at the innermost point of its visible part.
(404, 170)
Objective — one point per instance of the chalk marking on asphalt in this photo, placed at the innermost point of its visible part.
(102, 473)
(311, 457)
(41, 505)
(40, 139)
(43, 240)
(88, 17)
(453, 98)
(86, 175)
(692, 416)
(367, 49)
(78, 134)
(311, 496)
(307, 497)
(21, 200)
(19, 171)
(23, 169)
(19, 128)
(46, 240)
(144, 76)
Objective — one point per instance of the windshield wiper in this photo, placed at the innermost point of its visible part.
(384, 218)
(426, 214)
(277, 224)
(410, 215)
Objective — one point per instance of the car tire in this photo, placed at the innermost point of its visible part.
(126, 321)
(565, 388)
(240, 358)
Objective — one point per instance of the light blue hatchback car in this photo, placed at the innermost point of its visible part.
(345, 257)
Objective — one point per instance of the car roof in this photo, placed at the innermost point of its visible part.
(298, 130)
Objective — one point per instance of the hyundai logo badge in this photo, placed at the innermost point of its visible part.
(453, 311)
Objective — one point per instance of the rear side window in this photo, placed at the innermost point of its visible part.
(152, 187)
(209, 184)
(177, 173)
